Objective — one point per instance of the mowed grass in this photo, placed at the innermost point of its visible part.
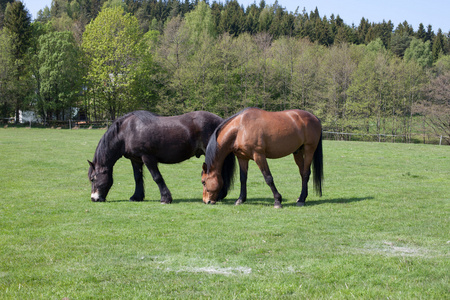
(381, 229)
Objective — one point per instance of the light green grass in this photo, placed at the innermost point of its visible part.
(381, 229)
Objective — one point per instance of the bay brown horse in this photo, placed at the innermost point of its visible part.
(257, 134)
(146, 138)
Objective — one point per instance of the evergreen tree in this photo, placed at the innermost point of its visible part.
(438, 45)
(421, 33)
(362, 31)
(232, 19)
(429, 36)
(3, 4)
(404, 29)
(6, 75)
(399, 43)
(252, 19)
(17, 23)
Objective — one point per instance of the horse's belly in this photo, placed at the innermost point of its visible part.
(274, 151)
(172, 154)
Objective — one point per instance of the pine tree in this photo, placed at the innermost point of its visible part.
(429, 36)
(232, 19)
(18, 26)
(421, 33)
(362, 31)
(18, 23)
(438, 45)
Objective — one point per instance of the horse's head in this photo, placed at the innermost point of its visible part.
(212, 186)
(101, 179)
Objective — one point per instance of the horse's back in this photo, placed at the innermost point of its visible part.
(276, 134)
(171, 139)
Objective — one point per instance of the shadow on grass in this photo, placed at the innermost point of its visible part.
(337, 201)
(174, 201)
(257, 201)
(270, 201)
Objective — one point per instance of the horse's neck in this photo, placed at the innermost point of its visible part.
(110, 155)
(225, 144)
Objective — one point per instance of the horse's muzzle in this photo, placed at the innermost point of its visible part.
(95, 197)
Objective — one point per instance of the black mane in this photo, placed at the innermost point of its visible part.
(109, 149)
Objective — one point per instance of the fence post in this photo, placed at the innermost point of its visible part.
(440, 141)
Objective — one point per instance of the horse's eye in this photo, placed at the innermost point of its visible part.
(203, 182)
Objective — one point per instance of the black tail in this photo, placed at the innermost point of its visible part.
(318, 167)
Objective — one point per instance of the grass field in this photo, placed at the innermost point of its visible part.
(381, 229)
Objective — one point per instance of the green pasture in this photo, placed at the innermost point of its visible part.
(380, 230)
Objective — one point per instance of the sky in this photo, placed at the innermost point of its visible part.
(431, 12)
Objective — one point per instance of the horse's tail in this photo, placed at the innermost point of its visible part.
(318, 167)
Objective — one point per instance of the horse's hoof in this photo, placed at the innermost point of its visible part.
(299, 203)
(132, 199)
(166, 199)
(278, 204)
(238, 202)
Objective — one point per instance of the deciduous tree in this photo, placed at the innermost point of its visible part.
(60, 74)
(111, 45)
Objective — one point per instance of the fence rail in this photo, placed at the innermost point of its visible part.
(413, 136)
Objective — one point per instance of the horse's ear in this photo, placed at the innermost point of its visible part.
(205, 167)
(91, 164)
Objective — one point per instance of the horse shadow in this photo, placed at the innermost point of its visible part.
(270, 201)
(259, 201)
(174, 201)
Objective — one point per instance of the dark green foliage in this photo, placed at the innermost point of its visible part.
(399, 43)
(222, 57)
(438, 45)
(17, 24)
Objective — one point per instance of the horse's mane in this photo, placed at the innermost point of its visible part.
(229, 164)
(108, 149)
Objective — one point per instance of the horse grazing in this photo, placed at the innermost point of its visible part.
(257, 134)
(145, 138)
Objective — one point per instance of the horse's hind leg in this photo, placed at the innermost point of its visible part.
(152, 166)
(264, 167)
(139, 193)
(243, 169)
(303, 159)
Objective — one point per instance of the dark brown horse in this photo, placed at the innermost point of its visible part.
(146, 138)
(257, 134)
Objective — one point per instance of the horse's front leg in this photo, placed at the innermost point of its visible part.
(139, 193)
(152, 166)
(243, 170)
(261, 161)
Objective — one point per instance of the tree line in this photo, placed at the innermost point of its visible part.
(104, 58)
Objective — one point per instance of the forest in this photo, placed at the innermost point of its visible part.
(89, 60)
